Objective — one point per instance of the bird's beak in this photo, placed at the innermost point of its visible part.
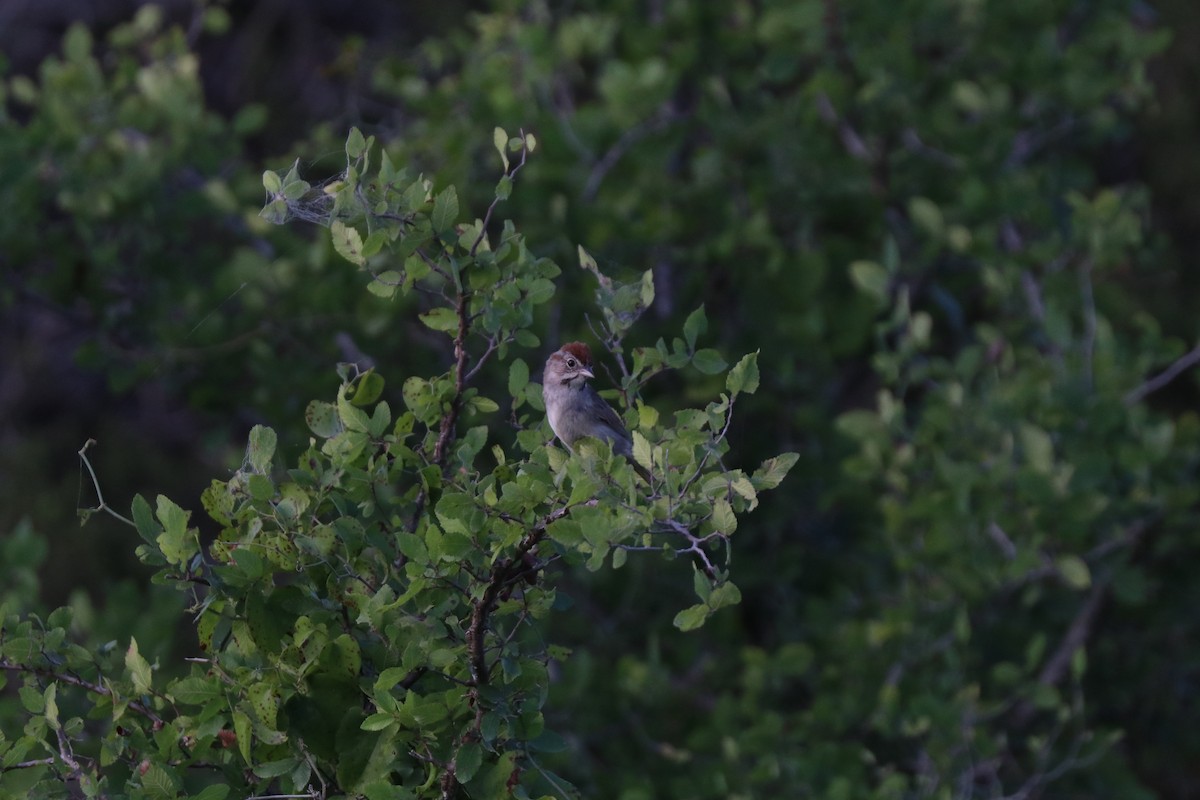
(585, 372)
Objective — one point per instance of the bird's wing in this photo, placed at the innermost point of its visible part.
(607, 417)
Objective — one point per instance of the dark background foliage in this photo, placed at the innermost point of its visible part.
(959, 233)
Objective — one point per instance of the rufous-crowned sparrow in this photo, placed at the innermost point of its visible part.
(576, 410)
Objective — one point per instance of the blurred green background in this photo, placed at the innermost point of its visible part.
(960, 232)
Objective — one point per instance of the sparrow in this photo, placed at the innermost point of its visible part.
(576, 410)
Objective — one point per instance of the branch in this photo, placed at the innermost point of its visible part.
(495, 201)
(851, 140)
(96, 484)
(627, 140)
(709, 450)
(134, 705)
(1184, 362)
(1076, 636)
(694, 546)
(503, 573)
(37, 762)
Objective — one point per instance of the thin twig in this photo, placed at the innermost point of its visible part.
(709, 450)
(134, 705)
(493, 345)
(512, 174)
(854, 144)
(96, 483)
(627, 140)
(37, 762)
(1184, 362)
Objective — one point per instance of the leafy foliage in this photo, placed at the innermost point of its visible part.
(370, 619)
(936, 248)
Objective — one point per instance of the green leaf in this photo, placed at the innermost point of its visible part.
(271, 182)
(647, 289)
(695, 325)
(33, 700)
(467, 762)
(500, 140)
(504, 188)
(871, 279)
(727, 594)
(51, 714)
(261, 449)
(518, 377)
(1037, 447)
(691, 618)
(483, 405)
(389, 678)
(744, 375)
(445, 210)
(724, 520)
(143, 520)
(322, 419)
(441, 319)
(355, 144)
(565, 531)
(217, 791)
(139, 668)
(925, 214)
(275, 212)
(587, 262)
(195, 691)
(709, 361)
(458, 513)
(354, 418)
(1074, 571)
(377, 722)
(347, 242)
(774, 470)
(642, 451)
(173, 540)
(368, 388)
(158, 784)
(242, 729)
(273, 769)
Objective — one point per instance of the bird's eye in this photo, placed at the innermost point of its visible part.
(571, 363)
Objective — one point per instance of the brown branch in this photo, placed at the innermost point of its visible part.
(461, 375)
(503, 573)
(42, 672)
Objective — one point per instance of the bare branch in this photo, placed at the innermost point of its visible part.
(1184, 362)
(96, 484)
(661, 118)
(851, 140)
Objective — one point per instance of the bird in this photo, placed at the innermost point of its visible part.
(576, 410)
